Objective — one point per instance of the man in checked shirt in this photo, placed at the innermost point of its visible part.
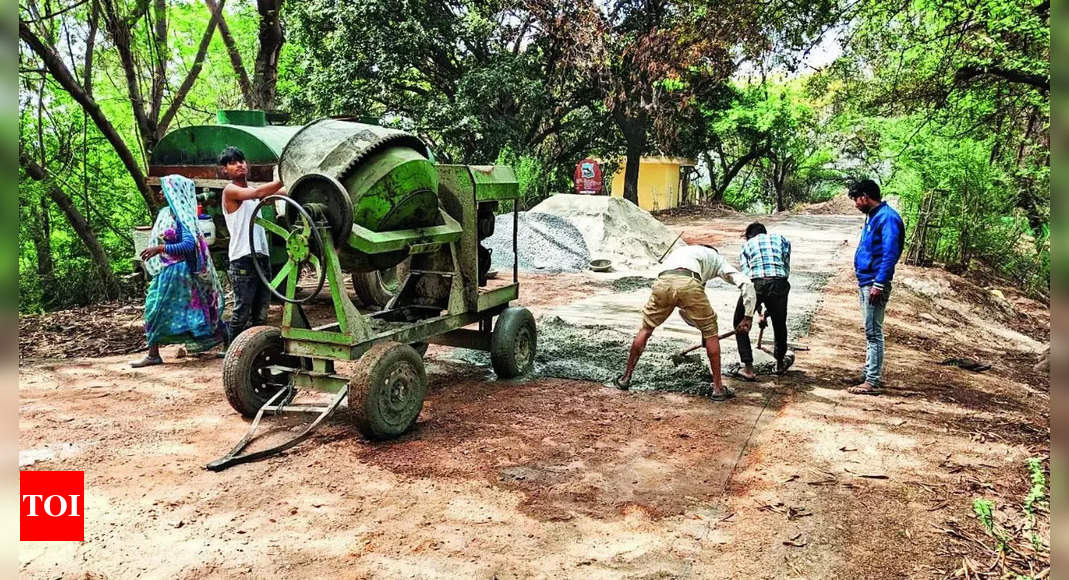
(766, 260)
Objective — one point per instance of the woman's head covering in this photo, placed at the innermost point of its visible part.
(181, 195)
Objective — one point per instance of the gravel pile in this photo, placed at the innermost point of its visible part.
(546, 243)
(614, 229)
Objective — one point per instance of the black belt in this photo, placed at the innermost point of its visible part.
(681, 272)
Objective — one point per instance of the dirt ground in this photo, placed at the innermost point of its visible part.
(561, 478)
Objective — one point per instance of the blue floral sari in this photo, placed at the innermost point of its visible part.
(184, 304)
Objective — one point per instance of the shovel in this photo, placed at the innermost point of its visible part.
(681, 357)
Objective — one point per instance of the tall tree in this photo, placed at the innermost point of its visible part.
(660, 58)
(260, 92)
(77, 221)
(146, 72)
(476, 76)
(977, 68)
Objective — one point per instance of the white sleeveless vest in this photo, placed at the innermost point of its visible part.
(238, 224)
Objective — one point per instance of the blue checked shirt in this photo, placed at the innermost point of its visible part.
(766, 256)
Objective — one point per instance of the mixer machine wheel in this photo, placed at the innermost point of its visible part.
(513, 343)
(248, 379)
(379, 287)
(386, 392)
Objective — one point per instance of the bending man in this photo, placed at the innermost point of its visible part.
(766, 260)
(682, 285)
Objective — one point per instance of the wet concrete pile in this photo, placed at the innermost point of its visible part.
(630, 283)
(599, 354)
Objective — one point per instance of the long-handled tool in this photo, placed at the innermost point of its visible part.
(681, 357)
(670, 247)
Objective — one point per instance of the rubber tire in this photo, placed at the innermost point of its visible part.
(420, 348)
(241, 364)
(372, 290)
(511, 324)
(369, 392)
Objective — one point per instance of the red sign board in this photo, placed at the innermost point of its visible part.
(588, 177)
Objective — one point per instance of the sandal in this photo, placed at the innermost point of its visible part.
(724, 395)
(619, 383)
(148, 361)
(737, 374)
(864, 389)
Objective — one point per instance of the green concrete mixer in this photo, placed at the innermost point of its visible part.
(364, 198)
(192, 152)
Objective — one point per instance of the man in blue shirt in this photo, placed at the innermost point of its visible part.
(877, 253)
(766, 259)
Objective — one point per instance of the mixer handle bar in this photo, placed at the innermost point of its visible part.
(303, 245)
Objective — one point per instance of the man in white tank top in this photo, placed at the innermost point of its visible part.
(251, 297)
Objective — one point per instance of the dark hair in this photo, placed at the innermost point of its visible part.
(865, 187)
(711, 248)
(231, 155)
(754, 229)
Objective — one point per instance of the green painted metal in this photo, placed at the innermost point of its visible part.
(493, 298)
(385, 176)
(249, 118)
(494, 182)
(395, 189)
(369, 242)
(326, 383)
(201, 145)
(307, 347)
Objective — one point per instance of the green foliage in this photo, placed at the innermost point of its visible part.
(944, 98)
(536, 181)
(1009, 538)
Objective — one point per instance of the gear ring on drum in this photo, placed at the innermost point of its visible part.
(298, 250)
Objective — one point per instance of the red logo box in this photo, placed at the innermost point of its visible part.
(51, 506)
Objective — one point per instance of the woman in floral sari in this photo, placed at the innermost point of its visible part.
(184, 304)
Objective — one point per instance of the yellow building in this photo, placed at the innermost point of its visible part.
(663, 182)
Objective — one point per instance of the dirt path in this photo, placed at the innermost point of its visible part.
(559, 478)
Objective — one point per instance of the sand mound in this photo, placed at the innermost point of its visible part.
(545, 242)
(838, 205)
(613, 228)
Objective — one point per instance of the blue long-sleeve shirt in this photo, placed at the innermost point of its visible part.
(881, 244)
(186, 248)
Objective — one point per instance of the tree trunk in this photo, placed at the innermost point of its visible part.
(80, 225)
(235, 55)
(265, 75)
(779, 182)
(634, 130)
(42, 244)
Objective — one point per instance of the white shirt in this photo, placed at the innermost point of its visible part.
(709, 264)
(238, 225)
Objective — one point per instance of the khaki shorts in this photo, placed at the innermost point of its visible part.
(685, 293)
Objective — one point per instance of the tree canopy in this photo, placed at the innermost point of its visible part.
(942, 101)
